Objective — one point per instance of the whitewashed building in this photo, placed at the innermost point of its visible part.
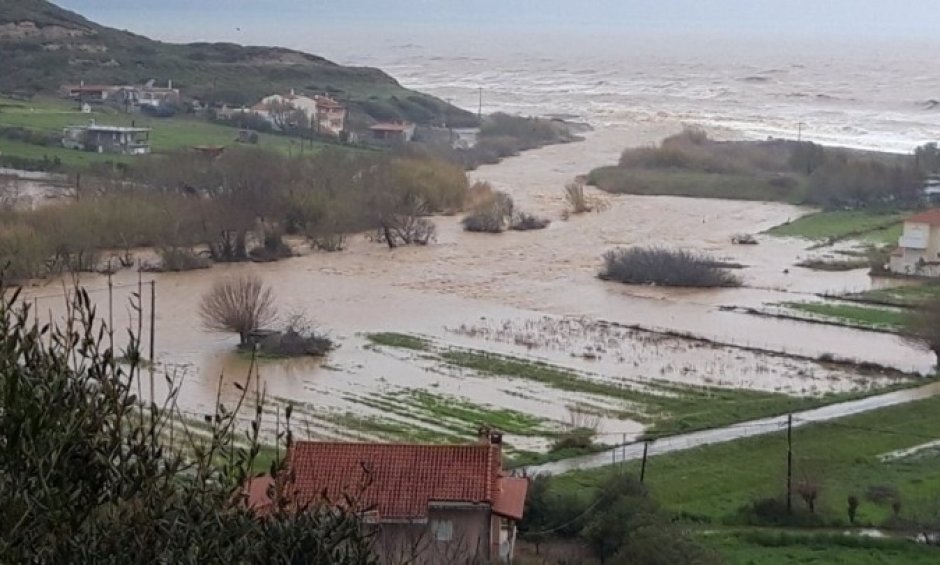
(918, 251)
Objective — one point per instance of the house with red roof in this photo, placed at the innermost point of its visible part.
(918, 251)
(393, 132)
(428, 504)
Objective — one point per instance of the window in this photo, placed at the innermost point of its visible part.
(443, 530)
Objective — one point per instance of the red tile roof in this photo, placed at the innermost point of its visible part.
(931, 217)
(510, 497)
(399, 481)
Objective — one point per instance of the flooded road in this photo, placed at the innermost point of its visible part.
(753, 428)
(475, 280)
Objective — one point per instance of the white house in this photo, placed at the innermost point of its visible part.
(325, 114)
(918, 251)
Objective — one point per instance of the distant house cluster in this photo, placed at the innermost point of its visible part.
(147, 96)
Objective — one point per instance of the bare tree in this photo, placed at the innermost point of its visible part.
(923, 326)
(240, 305)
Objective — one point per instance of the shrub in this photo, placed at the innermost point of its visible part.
(774, 512)
(91, 473)
(298, 338)
(577, 201)
(665, 267)
(524, 222)
(178, 259)
(492, 215)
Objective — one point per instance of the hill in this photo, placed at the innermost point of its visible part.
(45, 46)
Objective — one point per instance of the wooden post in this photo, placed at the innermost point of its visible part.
(623, 450)
(789, 463)
(153, 313)
(110, 311)
(646, 446)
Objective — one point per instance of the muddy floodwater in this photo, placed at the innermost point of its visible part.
(528, 294)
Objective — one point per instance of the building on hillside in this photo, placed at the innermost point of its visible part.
(324, 114)
(330, 117)
(125, 96)
(107, 139)
(393, 132)
(918, 251)
(90, 93)
(156, 96)
(429, 504)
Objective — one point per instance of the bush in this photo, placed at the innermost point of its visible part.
(773, 512)
(524, 222)
(574, 194)
(179, 259)
(492, 215)
(89, 474)
(665, 267)
(298, 339)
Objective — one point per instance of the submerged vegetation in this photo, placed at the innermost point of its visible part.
(665, 407)
(665, 267)
(691, 164)
(238, 206)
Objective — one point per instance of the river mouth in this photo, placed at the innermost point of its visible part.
(505, 292)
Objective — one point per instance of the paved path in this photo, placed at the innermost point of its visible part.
(634, 451)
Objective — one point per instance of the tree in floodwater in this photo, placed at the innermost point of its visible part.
(239, 305)
(923, 326)
(91, 473)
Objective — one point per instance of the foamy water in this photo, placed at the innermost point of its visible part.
(879, 96)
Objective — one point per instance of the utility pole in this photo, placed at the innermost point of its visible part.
(799, 132)
(646, 446)
(480, 107)
(789, 463)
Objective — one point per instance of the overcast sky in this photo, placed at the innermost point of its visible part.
(857, 19)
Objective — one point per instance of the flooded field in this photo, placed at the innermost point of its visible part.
(615, 352)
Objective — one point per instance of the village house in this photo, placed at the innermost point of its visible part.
(918, 251)
(324, 114)
(89, 93)
(429, 504)
(124, 96)
(107, 139)
(393, 132)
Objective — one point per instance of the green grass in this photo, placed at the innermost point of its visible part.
(772, 548)
(457, 415)
(674, 182)
(907, 295)
(667, 408)
(875, 227)
(51, 116)
(873, 317)
(712, 483)
(399, 340)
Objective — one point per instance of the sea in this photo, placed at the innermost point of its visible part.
(878, 94)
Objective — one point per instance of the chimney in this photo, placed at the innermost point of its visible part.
(169, 84)
(488, 435)
(81, 83)
(292, 92)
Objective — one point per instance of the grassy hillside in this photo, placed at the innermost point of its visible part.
(45, 46)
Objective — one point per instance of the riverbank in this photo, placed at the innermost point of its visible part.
(517, 280)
